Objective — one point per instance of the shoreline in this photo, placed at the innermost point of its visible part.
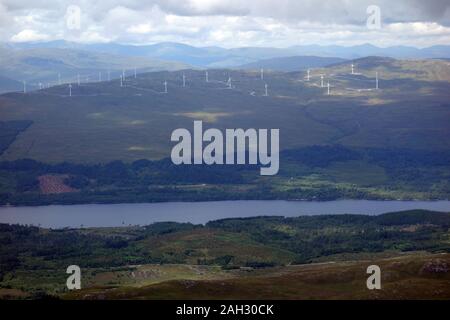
(3, 206)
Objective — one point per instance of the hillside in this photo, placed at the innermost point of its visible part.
(42, 65)
(289, 64)
(104, 122)
(9, 85)
(388, 68)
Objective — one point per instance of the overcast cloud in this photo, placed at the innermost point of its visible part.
(231, 23)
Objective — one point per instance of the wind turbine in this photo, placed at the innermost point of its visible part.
(206, 76)
(321, 80)
(308, 75)
(165, 86)
(121, 80)
(328, 87)
(376, 80)
(229, 83)
(70, 89)
(184, 80)
(266, 94)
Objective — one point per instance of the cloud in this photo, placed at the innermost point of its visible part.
(29, 36)
(229, 23)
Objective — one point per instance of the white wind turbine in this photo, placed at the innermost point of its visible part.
(376, 80)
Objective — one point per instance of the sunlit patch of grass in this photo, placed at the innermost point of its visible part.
(138, 148)
(209, 117)
(377, 101)
(96, 115)
(137, 122)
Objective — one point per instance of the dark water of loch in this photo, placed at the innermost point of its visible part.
(109, 215)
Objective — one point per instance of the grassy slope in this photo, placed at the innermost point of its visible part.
(403, 277)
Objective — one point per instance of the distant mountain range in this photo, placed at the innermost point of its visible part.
(221, 57)
(50, 63)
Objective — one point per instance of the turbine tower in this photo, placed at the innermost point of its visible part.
(70, 89)
(376, 80)
(266, 94)
(135, 72)
(24, 86)
(40, 85)
(328, 87)
(206, 76)
(121, 80)
(353, 68)
(308, 75)
(165, 86)
(229, 83)
(184, 80)
(321, 80)
(262, 73)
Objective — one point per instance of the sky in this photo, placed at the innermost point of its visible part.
(233, 23)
